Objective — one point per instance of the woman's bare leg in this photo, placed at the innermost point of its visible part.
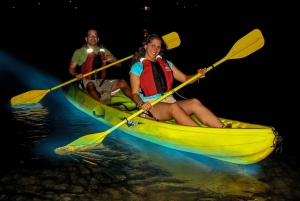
(168, 111)
(194, 106)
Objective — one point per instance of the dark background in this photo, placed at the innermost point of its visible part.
(261, 88)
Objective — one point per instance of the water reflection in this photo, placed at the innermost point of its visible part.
(34, 115)
(153, 166)
(30, 128)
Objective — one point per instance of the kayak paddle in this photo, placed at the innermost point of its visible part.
(242, 48)
(172, 40)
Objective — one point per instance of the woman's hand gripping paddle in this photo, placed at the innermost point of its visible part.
(172, 40)
(243, 47)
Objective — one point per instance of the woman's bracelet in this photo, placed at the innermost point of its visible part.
(141, 103)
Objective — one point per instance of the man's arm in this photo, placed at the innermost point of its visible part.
(111, 59)
(72, 70)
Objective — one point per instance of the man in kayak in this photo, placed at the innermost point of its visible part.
(91, 57)
(152, 75)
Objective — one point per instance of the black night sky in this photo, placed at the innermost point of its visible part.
(260, 88)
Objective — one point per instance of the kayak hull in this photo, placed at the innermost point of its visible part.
(244, 143)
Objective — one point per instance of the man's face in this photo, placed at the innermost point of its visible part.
(92, 38)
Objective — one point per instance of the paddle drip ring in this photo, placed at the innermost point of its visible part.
(277, 140)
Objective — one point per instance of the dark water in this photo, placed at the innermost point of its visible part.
(122, 167)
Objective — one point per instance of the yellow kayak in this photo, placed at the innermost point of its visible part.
(244, 143)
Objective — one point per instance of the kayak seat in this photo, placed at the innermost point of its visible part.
(122, 102)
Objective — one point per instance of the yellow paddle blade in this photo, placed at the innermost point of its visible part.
(29, 97)
(248, 44)
(83, 143)
(71, 149)
(172, 40)
(245, 46)
(90, 139)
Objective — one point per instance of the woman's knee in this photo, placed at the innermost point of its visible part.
(191, 105)
(174, 107)
(195, 101)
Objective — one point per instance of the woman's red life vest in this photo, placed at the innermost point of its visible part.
(94, 61)
(156, 78)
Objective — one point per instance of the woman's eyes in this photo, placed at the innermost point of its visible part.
(153, 45)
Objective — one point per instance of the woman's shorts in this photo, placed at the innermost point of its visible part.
(169, 99)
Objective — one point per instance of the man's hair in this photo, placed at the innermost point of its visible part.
(86, 33)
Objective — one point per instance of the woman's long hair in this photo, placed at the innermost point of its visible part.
(141, 51)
